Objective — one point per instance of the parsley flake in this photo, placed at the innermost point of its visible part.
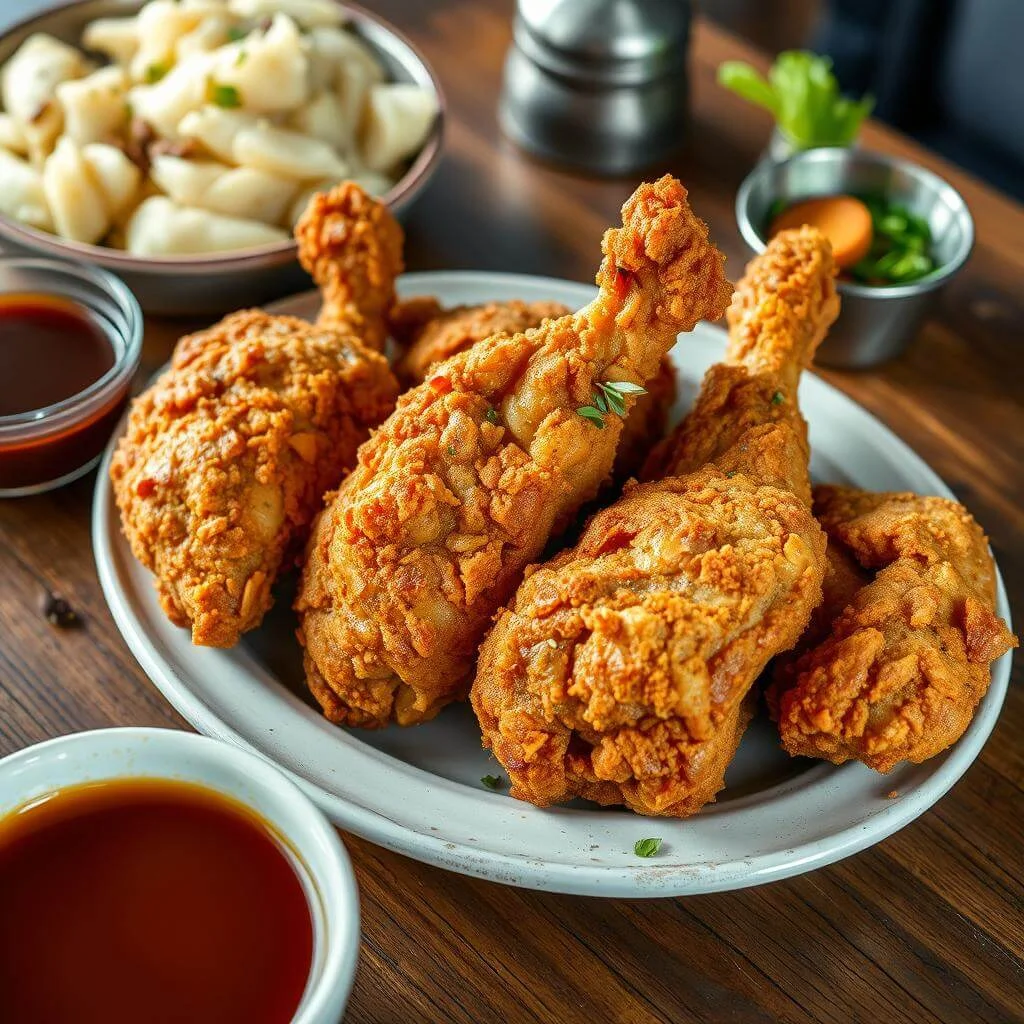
(451, 451)
(226, 96)
(493, 781)
(609, 396)
(778, 398)
(492, 416)
(243, 56)
(647, 847)
(235, 33)
(155, 72)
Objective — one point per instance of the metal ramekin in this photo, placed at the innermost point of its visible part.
(217, 282)
(42, 449)
(875, 323)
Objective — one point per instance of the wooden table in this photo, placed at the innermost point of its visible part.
(927, 926)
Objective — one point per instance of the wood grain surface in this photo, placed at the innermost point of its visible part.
(925, 927)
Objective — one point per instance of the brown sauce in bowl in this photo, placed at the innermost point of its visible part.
(50, 349)
(147, 900)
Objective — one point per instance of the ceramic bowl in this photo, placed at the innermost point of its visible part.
(179, 756)
(218, 282)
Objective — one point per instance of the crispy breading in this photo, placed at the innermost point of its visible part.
(463, 485)
(225, 458)
(622, 670)
(430, 334)
(351, 245)
(905, 658)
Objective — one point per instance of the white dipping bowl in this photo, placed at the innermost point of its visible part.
(323, 863)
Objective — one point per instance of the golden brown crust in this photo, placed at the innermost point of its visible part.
(465, 482)
(622, 670)
(782, 309)
(907, 657)
(787, 303)
(351, 245)
(430, 334)
(637, 646)
(226, 457)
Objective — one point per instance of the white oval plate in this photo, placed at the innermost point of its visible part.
(418, 791)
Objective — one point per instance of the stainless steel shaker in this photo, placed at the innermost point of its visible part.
(598, 84)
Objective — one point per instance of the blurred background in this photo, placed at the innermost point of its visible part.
(946, 72)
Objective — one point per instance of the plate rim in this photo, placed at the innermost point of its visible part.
(644, 879)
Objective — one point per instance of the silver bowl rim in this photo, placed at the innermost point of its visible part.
(419, 172)
(837, 154)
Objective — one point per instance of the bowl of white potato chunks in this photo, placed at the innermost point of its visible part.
(176, 142)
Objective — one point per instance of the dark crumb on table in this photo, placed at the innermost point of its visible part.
(59, 613)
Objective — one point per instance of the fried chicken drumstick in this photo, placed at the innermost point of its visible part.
(430, 334)
(227, 456)
(621, 671)
(463, 485)
(901, 661)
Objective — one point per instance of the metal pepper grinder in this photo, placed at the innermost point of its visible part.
(598, 84)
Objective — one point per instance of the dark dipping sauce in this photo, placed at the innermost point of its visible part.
(146, 900)
(52, 349)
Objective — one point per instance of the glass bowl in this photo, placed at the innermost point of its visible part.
(46, 448)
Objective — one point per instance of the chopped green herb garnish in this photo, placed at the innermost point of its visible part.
(900, 246)
(615, 401)
(647, 847)
(451, 451)
(226, 96)
(155, 72)
(778, 398)
(493, 781)
(609, 396)
(236, 32)
(243, 56)
(492, 416)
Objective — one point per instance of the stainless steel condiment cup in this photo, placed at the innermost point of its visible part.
(875, 322)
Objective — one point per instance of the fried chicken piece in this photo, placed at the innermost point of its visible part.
(463, 485)
(226, 458)
(622, 671)
(430, 334)
(903, 660)
(351, 245)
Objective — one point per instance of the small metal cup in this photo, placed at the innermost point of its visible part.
(875, 323)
